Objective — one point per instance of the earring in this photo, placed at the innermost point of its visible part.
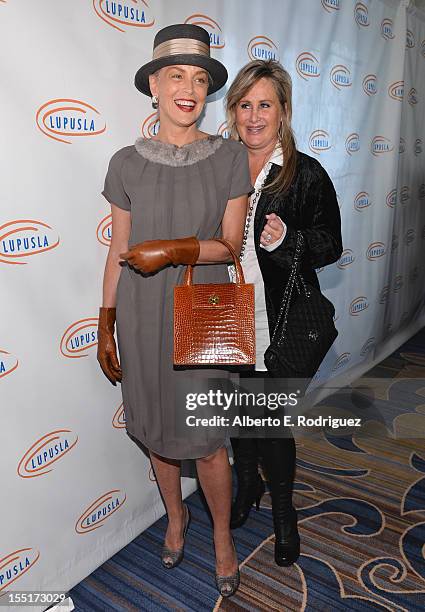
(155, 102)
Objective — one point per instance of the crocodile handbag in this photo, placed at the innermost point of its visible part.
(214, 324)
(304, 330)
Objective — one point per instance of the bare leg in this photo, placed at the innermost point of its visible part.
(216, 480)
(167, 473)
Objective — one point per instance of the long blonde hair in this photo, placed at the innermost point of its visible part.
(245, 79)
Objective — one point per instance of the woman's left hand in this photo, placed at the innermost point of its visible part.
(272, 231)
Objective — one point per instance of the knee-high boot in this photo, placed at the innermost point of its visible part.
(279, 458)
(250, 484)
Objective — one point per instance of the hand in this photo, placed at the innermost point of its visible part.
(106, 347)
(152, 255)
(272, 231)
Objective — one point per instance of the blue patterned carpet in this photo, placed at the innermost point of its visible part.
(361, 502)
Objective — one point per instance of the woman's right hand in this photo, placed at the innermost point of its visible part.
(106, 347)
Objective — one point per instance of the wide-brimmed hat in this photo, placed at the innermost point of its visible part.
(182, 43)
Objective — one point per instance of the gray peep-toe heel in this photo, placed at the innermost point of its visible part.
(172, 558)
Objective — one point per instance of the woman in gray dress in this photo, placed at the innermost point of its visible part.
(170, 196)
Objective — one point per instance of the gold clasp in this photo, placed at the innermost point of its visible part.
(214, 300)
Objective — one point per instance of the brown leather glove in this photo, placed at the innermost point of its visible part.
(106, 347)
(152, 255)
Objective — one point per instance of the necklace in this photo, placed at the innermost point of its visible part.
(252, 203)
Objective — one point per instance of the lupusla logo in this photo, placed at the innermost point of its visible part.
(319, 141)
(370, 84)
(79, 338)
(341, 361)
(8, 363)
(212, 27)
(40, 457)
(25, 237)
(150, 126)
(380, 145)
(223, 130)
(118, 420)
(352, 143)
(104, 230)
(396, 90)
(394, 242)
(412, 97)
(14, 565)
(421, 191)
(65, 118)
(367, 346)
(100, 510)
(410, 39)
(346, 259)
(404, 193)
(391, 199)
(331, 5)
(263, 48)
(340, 76)
(361, 14)
(409, 237)
(307, 65)
(398, 283)
(402, 146)
(383, 296)
(387, 29)
(122, 14)
(375, 250)
(358, 305)
(362, 200)
(418, 146)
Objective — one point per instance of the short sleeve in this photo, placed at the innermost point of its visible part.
(240, 178)
(114, 190)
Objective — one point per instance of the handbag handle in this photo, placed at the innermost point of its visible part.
(240, 279)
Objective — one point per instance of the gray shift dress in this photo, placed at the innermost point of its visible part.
(171, 192)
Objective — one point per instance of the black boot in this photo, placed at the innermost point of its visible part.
(279, 462)
(250, 484)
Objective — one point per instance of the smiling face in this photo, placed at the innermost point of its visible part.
(182, 91)
(258, 116)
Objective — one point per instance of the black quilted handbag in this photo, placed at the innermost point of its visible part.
(304, 330)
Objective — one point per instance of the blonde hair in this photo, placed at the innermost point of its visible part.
(245, 79)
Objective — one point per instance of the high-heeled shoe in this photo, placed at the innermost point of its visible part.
(172, 558)
(287, 540)
(248, 492)
(228, 585)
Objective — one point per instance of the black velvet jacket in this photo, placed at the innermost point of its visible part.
(309, 205)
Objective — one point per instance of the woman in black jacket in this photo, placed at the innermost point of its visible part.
(292, 192)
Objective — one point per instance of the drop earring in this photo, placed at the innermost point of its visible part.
(155, 102)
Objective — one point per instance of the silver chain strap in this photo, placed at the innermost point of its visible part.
(253, 202)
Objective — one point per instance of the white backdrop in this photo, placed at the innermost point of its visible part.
(77, 488)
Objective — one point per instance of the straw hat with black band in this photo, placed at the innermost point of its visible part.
(178, 44)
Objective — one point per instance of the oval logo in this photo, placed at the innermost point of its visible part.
(79, 338)
(346, 259)
(340, 76)
(409, 237)
(367, 346)
(412, 97)
(404, 193)
(150, 126)
(8, 363)
(380, 145)
(307, 65)
(394, 242)
(104, 230)
(387, 29)
(361, 14)
(398, 283)
(65, 118)
(410, 39)
(421, 191)
(375, 250)
(341, 361)
(391, 199)
(331, 5)
(121, 14)
(25, 237)
(118, 420)
(319, 141)
(352, 143)
(396, 90)
(263, 48)
(358, 305)
(418, 146)
(100, 510)
(370, 84)
(14, 565)
(214, 30)
(223, 130)
(402, 146)
(383, 296)
(362, 201)
(40, 457)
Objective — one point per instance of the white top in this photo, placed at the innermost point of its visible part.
(252, 271)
